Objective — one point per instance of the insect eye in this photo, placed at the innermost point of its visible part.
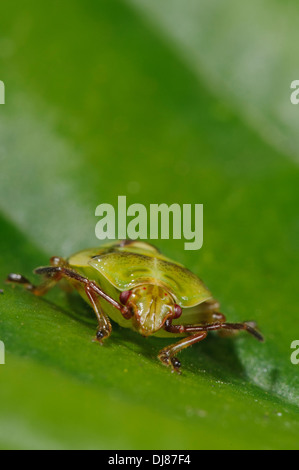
(177, 311)
(124, 296)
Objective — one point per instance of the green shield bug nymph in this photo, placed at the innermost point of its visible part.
(132, 283)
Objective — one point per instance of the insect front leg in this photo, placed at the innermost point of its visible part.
(197, 333)
(168, 355)
(104, 328)
(60, 269)
(50, 280)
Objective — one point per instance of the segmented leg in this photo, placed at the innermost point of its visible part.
(198, 333)
(167, 355)
(49, 282)
(60, 269)
(104, 328)
(248, 326)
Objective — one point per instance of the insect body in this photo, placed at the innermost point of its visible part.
(133, 284)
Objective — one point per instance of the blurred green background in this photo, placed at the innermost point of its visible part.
(185, 102)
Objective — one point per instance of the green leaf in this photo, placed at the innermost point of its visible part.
(101, 103)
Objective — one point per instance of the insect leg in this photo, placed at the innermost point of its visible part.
(49, 282)
(60, 269)
(248, 326)
(167, 355)
(104, 329)
(198, 333)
